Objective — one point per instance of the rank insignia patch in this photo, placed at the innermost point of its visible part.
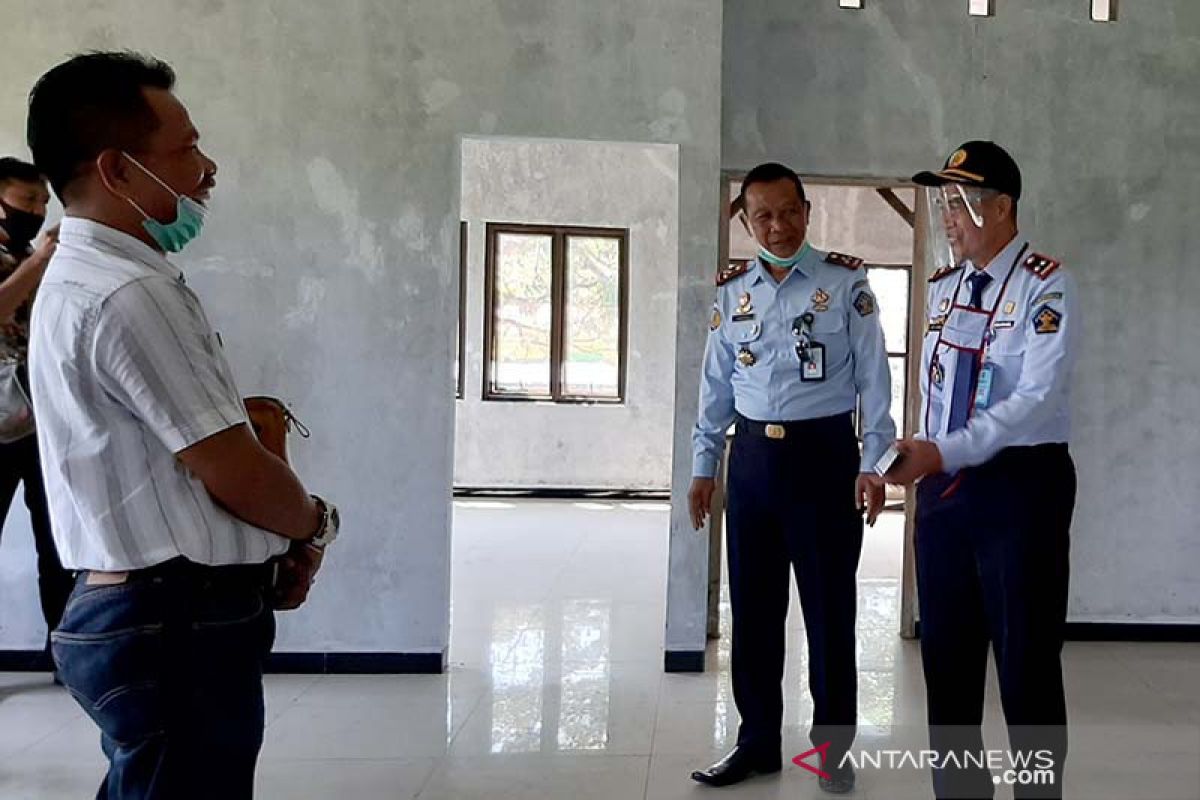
(843, 260)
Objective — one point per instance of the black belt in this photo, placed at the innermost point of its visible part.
(791, 428)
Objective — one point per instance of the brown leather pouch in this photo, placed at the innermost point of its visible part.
(272, 421)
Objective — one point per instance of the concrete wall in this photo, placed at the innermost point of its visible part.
(330, 264)
(597, 184)
(1105, 120)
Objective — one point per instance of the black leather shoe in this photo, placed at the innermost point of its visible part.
(736, 767)
(840, 782)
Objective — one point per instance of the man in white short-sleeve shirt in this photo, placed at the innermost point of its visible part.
(162, 499)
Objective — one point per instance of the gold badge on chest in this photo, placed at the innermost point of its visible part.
(820, 300)
(746, 358)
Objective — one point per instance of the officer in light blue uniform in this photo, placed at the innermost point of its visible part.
(998, 491)
(795, 346)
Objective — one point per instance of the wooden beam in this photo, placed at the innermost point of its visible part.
(892, 199)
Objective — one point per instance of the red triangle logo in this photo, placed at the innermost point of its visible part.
(823, 751)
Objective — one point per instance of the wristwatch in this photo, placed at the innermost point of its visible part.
(330, 522)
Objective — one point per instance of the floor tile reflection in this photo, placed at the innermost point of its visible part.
(555, 689)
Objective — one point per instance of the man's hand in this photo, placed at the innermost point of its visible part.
(297, 571)
(918, 459)
(700, 500)
(46, 247)
(870, 491)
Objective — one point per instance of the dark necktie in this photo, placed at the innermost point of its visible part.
(967, 371)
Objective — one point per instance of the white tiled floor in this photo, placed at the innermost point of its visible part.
(556, 690)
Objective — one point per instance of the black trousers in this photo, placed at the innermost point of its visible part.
(791, 506)
(19, 464)
(992, 567)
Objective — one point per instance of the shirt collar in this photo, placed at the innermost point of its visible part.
(998, 267)
(86, 231)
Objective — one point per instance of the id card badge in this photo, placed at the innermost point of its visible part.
(983, 388)
(812, 369)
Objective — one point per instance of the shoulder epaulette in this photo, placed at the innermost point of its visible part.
(943, 272)
(843, 260)
(731, 272)
(1042, 266)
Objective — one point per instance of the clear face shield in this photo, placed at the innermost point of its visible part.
(955, 224)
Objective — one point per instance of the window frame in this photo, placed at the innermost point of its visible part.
(460, 347)
(558, 311)
(905, 354)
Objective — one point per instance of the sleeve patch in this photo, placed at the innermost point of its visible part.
(1048, 297)
(1047, 320)
(864, 304)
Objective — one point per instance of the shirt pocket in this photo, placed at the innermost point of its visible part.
(1009, 343)
(829, 329)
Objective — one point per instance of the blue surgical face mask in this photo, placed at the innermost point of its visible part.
(783, 263)
(189, 217)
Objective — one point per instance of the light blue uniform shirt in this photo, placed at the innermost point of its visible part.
(1030, 341)
(845, 320)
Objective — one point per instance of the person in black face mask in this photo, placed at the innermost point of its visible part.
(23, 199)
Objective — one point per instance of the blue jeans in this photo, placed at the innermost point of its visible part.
(169, 666)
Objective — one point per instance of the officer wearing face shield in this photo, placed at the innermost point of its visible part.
(795, 345)
(23, 199)
(997, 483)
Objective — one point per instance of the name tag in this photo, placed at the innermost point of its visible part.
(983, 388)
(813, 368)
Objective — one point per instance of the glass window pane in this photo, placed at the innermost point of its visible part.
(891, 288)
(899, 384)
(523, 313)
(592, 343)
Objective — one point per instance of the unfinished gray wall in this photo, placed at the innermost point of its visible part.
(330, 264)
(593, 184)
(1105, 121)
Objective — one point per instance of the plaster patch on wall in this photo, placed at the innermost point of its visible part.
(336, 197)
(663, 163)
(439, 95)
(242, 267)
(672, 124)
(308, 306)
(662, 231)
(901, 51)
(1139, 211)
(409, 228)
(747, 132)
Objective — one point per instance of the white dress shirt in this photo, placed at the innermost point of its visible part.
(126, 372)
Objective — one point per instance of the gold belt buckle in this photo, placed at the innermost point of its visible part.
(776, 431)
